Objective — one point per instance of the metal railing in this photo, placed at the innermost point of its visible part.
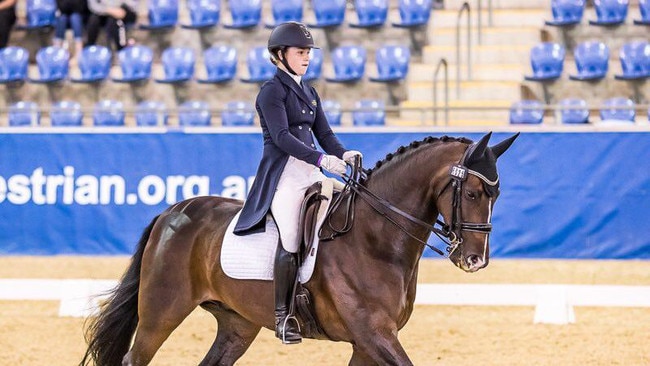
(441, 63)
(464, 7)
(551, 113)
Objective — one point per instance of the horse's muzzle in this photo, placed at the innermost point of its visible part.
(470, 263)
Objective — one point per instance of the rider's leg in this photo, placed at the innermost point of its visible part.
(284, 278)
(285, 207)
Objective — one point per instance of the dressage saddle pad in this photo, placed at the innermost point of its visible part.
(251, 257)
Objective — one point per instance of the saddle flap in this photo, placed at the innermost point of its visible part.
(310, 213)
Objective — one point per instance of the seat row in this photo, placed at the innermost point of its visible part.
(591, 60)
(146, 113)
(248, 13)
(574, 111)
(608, 12)
(190, 113)
(179, 64)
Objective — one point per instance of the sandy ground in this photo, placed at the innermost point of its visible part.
(31, 333)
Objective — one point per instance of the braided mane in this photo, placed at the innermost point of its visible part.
(413, 146)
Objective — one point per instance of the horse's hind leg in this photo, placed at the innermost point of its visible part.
(234, 335)
(154, 327)
(165, 301)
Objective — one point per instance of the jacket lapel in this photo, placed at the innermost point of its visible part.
(288, 81)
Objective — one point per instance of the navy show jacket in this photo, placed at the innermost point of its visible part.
(290, 117)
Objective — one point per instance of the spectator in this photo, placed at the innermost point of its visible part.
(114, 15)
(70, 13)
(7, 20)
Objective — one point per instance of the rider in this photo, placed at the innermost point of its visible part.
(290, 111)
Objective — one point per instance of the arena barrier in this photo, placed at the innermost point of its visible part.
(574, 193)
(553, 303)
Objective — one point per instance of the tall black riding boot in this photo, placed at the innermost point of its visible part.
(284, 277)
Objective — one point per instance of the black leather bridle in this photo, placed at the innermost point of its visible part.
(451, 235)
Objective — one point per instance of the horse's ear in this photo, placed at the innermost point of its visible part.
(502, 146)
(478, 149)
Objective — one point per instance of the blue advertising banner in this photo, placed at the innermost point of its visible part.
(563, 195)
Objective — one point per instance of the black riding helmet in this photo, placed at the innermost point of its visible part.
(290, 34)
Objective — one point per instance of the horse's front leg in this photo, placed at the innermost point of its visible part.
(360, 358)
(378, 347)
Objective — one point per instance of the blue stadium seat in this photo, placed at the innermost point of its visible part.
(244, 14)
(315, 68)
(203, 14)
(13, 64)
(66, 113)
(178, 65)
(260, 67)
(332, 111)
(370, 13)
(369, 112)
(40, 14)
(24, 114)
(413, 13)
(635, 61)
(349, 64)
(574, 111)
(135, 62)
(162, 14)
(151, 113)
(285, 11)
(610, 12)
(526, 112)
(328, 13)
(644, 9)
(238, 113)
(546, 61)
(52, 65)
(95, 64)
(194, 113)
(108, 113)
(566, 12)
(592, 60)
(392, 63)
(618, 109)
(220, 64)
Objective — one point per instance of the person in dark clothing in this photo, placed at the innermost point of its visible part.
(70, 13)
(291, 115)
(114, 15)
(7, 20)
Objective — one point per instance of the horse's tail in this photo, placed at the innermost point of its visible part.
(109, 334)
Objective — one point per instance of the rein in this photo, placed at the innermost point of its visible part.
(450, 235)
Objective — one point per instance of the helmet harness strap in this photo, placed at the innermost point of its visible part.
(283, 60)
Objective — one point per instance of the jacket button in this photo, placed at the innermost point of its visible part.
(300, 127)
(303, 111)
(311, 112)
(312, 145)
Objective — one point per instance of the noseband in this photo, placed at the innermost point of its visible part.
(449, 234)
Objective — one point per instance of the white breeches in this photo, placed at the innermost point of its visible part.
(296, 177)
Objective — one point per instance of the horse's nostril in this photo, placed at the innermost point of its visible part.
(474, 260)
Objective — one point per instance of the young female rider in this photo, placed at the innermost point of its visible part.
(290, 115)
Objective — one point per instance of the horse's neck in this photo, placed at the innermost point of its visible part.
(410, 193)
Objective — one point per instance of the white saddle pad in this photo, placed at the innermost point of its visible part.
(251, 257)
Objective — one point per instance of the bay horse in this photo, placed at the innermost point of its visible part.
(364, 281)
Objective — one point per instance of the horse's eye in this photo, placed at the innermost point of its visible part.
(471, 195)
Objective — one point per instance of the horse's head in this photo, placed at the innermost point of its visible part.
(472, 190)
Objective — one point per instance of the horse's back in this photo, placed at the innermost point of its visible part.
(187, 236)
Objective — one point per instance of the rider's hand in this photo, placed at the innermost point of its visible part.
(349, 155)
(333, 165)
